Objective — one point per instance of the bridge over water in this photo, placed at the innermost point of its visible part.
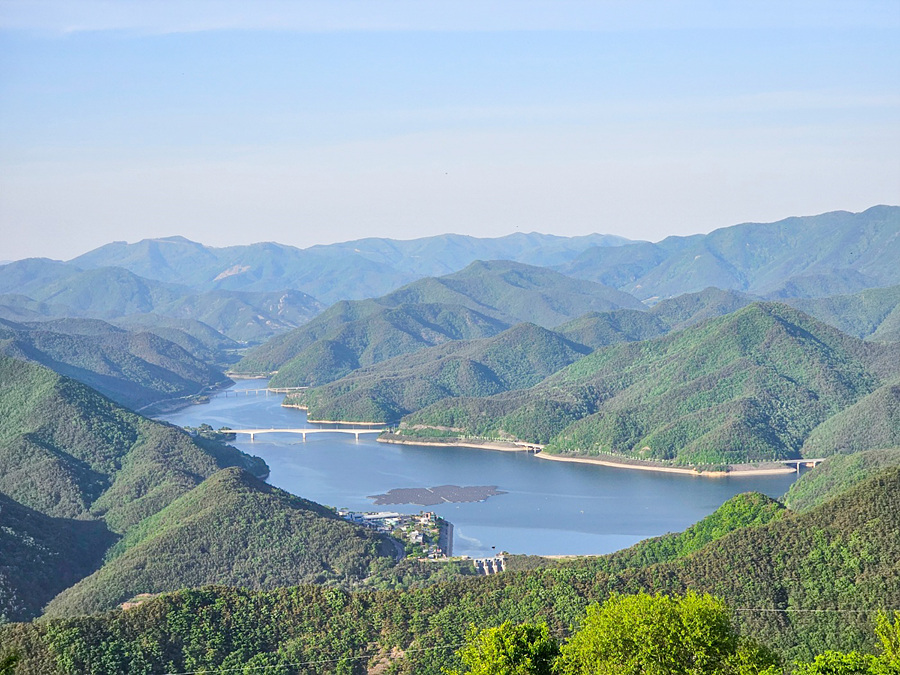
(256, 392)
(303, 432)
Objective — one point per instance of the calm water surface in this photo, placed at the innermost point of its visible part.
(550, 507)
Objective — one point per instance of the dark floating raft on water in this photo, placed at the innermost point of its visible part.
(437, 495)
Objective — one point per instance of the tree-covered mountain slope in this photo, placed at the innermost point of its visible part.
(872, 314)
(827, 254)
(67, 451)
(519, 357)
(351, 270)
(232, 530)
(870, 423)
(480, 301)
(838, 474)
(41, 556)
(246, 316)
(836, 564)
(134, 369)
(71, 455)
(195, 337)
(749, 386)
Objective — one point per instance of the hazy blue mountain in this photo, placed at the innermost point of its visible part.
(837, 252)
(246, 316)
(37, 289)
(348, 270)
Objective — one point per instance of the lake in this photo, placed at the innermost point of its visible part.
(550, 508)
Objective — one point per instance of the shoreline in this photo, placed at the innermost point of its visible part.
(356, 424)
(499, 446)
(735, 470)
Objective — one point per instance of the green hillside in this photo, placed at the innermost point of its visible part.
(479, 301)
(67, 452)
(514, 292)
(273, 539)
(134, 369)
(872, 422)
(41, 556)
(749, 386)
(841, 555)
(873, 313)
(837, 474)
(519, 357)
(195, 337)
(336, 342)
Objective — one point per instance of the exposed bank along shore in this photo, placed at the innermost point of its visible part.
(735, 470)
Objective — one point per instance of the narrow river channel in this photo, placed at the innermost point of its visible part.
(548, 507)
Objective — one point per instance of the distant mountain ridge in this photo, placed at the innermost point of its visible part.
(37, 289)
(351, 270)
(828, 254)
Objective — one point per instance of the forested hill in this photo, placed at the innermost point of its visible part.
(519, 357)
(133, 369)
(68, 452)
(233, 530)
(749, 386)
(768, 564)
(479, 301)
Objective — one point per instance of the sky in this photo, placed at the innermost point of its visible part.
(310, 122)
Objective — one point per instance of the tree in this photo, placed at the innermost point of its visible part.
(661, 635)
(854, 663)
(509, 649)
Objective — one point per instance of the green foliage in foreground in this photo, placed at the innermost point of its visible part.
(842, 555)
(887, 662)
(509, 649)
(657, 635)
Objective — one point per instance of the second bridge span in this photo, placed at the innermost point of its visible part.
(303, 432)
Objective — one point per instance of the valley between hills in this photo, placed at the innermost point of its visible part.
(128, 544)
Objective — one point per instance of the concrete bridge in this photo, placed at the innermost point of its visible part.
(256, 392)
(303, 432)
(802, 462)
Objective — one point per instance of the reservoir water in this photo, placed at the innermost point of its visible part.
(549, 507)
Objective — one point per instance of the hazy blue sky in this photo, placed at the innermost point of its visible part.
(313, 122)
